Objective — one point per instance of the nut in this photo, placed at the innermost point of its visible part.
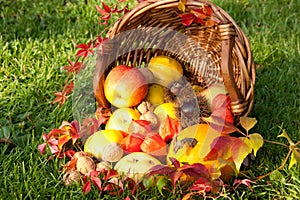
(102, 166)
(144, 107)
(152, 118)
(85, 164)
(112, 152)
(71, 177)
(80, 154)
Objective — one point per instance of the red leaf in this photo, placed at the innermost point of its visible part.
(70, 153)
(208, 10)
(97, 182)
(106, 17)
(246, 182)
(169, 129)
(175, 162)
(61, 98)
(85, 49)
(160, 169)
(86, 187)
(116, 10)
(175, 177)
(195, 170)
(202, 184)
(73, 67)
(220, 148)
(101, 11)
(106, 7)
(127, 198)
(132, 143)
(219, 124)
(187, 18)
(42, 148)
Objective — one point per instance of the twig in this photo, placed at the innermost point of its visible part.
(279, 143)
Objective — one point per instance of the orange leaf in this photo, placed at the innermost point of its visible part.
(169, 129)
(241, 147)
(63, 140)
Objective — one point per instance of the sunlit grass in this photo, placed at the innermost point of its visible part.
(36, 40)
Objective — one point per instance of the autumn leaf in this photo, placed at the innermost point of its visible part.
(61, 98)
(286, 136)
(169, 129)
(181, 5)
(247, 122)
(86, 187)
(220, 125)
(220, 148)
(85, 49)
(246, 182)
(73, 67)
(202, 184)
(187, 18)
(295, 158)
(63, 140)
(241, 147)
(257, 142)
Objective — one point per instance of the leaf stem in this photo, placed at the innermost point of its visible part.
(279, 143)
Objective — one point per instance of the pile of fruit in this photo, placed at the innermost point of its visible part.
(144, 128)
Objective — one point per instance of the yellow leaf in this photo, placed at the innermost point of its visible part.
(295, 158)
(181, 6)
(241, 147)
(285, 135)
(248, 122)
(257, 142)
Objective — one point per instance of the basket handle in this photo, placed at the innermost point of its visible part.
(238, 103)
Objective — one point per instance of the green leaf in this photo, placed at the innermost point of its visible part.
(295, 158)
(285, 135)
(257, 142)
(248, 122)
(241, 147)
(277, 176)
(161, 183)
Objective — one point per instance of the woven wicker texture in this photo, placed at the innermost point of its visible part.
(217, 54)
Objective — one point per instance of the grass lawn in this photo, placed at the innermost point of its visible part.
(37, 38)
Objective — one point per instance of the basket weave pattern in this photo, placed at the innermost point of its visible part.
(217, 54)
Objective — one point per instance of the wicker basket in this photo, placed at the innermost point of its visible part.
(217, 54)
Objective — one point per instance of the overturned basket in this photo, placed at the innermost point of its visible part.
(215, 53)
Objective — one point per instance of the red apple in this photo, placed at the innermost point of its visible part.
(125, 86)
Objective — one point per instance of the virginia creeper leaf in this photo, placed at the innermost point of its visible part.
(181, 5)
(86, 187)
(161, 183)
(295, 158)
(63, 140)
(285, 135)
(175, 176)
(241, 147)
(220, 148)
(257, 142)
(247, 122)
(202, 184)
(187, 18)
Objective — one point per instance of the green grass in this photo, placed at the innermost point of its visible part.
(37, 38)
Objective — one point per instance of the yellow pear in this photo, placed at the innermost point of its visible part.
(136, 164)
(99, 140)
(155, 94)
(165, 70)
(165, 109)
(122, 118)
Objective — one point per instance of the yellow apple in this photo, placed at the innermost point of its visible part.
(136, 164)
(165, 109)
(125, 86)
(165, 70)
(155, 94)
(99, 140)
(121, 119)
